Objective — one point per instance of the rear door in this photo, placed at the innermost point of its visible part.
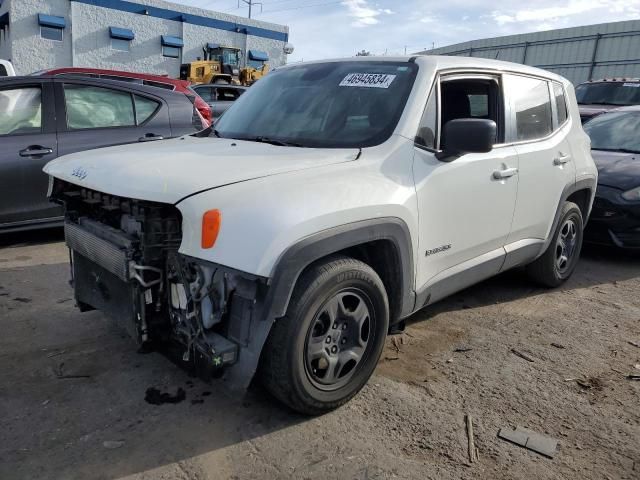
(540, 129)
(94, 115)
(28, 141)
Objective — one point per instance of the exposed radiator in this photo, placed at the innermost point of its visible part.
(102, 252)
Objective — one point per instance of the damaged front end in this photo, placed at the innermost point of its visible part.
(125, 263)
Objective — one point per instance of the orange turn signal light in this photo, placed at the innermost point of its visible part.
(210, 227)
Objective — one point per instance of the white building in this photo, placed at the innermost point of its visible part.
(151, 36)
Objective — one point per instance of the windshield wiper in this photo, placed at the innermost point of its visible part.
(272, 141)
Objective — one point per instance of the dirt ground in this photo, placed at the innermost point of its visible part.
(72, 389)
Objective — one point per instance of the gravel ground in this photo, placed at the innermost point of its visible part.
(72, 389)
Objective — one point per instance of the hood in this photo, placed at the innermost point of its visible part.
(168, 170)
(590, 111)
(617, 169)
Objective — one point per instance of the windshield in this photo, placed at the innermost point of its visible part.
(609, 93)
(230, 57)
(615, 131)
(330, 105)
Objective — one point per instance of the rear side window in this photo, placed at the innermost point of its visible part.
(561, 102)
(97, 107)
(207, 94)
(145, 108)
(228, 94)
(532, 106)
(20, 111)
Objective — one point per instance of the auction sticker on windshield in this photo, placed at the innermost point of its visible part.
(372, 80)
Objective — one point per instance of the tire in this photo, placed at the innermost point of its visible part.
(313, 360)
(550, 270)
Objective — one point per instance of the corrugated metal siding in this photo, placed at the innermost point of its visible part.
(579, 53)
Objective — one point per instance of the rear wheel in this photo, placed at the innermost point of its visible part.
(323, 351)
(559, 261)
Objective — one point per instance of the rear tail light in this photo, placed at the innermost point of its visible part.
(197, 120)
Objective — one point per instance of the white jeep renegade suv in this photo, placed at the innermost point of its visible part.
(332, 201)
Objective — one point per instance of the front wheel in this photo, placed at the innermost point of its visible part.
(559, 261)
(323, 351)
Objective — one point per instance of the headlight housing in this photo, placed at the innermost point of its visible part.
(632, 195)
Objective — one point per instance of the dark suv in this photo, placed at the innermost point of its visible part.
(44, 117)
(599, 96)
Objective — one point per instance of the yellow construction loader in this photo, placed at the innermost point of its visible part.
(219, 65)
(256, 67)
(222, 65)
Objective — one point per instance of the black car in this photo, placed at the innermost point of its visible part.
(42, 118)
(596, 97)
(615, 144)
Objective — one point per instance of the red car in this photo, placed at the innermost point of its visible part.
(140, 78)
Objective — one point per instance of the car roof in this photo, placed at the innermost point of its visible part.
(445, 62)
(136, 87)
(122, 73)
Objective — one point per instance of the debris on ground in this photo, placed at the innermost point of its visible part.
(471, 445)
(558, 345)
(634, 376)
(530, 440)
(155, 397)
(462, 349)
(112, 444)
(522, 355)
(635, 344)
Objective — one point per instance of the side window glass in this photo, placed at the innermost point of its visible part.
(426, 135)
(207, 94)
(561, 102)
(20, 111)
(145, 108)
(532, 107)
(471, 98)
(96, 107)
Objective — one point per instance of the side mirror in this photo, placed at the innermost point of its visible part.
(467, 135)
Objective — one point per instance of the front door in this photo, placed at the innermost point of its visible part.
(465, 205)
(28, 139)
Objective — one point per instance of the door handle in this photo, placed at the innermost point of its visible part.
(506, 173)
(561, 159)
(150, 137)
(35, 151)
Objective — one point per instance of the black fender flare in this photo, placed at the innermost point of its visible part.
(587, 183)
(301, 254)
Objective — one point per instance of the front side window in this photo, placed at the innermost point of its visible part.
(532, 106)
(170, 52)
(426, 136)
(331, 105)
(616, 131)
(51, 33)
(96, 107)
(20, 111)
